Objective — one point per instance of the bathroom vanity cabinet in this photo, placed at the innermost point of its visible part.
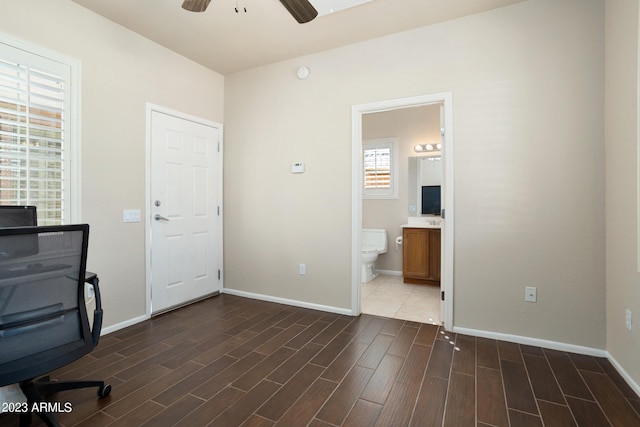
(421, 255)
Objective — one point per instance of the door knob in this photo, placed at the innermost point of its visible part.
(159, 217)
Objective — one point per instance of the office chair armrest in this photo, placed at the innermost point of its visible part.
(93, 280)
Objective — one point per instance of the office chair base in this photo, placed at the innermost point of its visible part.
(37, 391)
(104, 391)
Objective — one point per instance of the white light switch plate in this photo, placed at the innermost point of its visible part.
(131, 215)
(297, 168)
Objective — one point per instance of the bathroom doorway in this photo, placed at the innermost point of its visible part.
(421, 297)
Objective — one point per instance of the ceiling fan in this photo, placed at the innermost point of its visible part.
(301, 10)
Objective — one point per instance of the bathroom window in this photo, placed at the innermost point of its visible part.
(380, 168)
(37, 130)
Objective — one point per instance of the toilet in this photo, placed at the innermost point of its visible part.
(374, 242)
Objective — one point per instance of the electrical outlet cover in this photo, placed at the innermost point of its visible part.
(530, 294)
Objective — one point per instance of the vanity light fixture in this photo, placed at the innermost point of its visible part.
(421, 148)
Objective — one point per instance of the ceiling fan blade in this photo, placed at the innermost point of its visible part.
(195, 5)
(301, 10)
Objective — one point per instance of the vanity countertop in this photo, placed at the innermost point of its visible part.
(423, 222)
(421, 226)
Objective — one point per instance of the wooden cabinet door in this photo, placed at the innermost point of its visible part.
(415, 253)
(421, 255)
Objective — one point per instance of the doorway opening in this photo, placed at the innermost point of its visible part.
(359, 112)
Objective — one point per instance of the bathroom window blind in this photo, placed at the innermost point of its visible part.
(34, 163)
(379, 168)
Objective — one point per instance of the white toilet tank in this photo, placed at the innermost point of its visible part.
(375, 238)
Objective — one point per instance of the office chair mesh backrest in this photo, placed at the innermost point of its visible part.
(43, 318)
(18, 216)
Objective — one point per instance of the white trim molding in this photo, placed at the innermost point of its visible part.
(638, 141)
(122, 325)
(357, 111)
(634, 385)
(553, 345)
(287, 301)
(73, 123)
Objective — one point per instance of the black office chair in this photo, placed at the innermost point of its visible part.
(18, 216)
(43, 317)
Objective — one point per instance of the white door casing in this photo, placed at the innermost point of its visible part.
(443, 221)
(184, 194)
(447, 251)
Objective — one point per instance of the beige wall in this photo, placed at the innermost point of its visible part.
(623, 280)
(121, 71)
(416, 125)
(528, 96)
(527, 83)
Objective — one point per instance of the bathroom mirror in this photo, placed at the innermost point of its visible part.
(423, 170)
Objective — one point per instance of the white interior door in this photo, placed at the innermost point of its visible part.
(185, 231)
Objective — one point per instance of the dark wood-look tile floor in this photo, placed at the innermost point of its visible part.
(230, 361)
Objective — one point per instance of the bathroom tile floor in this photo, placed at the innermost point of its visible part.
(388, 296)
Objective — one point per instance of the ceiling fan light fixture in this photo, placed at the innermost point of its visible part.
(195, 5)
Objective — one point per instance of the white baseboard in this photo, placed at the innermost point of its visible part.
(122, 325)
(295, 303)
(536, 342)
(287, 301)
(390, 272)
(554, 345)
(634, 385)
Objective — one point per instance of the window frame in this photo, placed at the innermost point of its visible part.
(382, 193)
(33, 55)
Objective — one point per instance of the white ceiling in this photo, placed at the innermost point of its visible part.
(325, 7)
(227, 42)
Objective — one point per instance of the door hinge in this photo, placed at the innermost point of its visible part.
(442, 295)
(442, 213)
(218, 146)
(218, 274)
(218, 210)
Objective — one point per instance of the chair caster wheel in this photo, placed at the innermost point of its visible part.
(104, 391)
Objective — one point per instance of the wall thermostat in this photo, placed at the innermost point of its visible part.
(297, 168)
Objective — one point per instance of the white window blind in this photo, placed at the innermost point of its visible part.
(379, 168)
(34, 160)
